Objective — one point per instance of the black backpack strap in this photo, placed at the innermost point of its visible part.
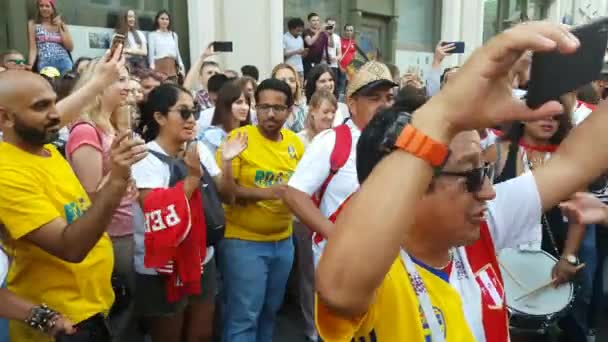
(177, 167)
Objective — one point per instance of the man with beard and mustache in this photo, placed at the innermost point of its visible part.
(62, 255)
(259, 226)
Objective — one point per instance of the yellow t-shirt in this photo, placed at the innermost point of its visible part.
(263, 164)
(34, 191)
(395, 314)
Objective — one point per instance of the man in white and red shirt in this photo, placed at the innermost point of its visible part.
(407, 202)
(370, 89)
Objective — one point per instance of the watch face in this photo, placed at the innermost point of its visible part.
(572, 259)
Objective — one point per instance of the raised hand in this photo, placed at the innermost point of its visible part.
(441, 52)
(584, 208)
(480, 94)
(234, 146)
(193, 161)
(108, 68)
(126, 152)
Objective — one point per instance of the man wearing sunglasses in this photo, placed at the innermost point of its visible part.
(13, 60)
(395, 256)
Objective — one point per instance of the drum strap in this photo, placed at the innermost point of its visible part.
(437, 335)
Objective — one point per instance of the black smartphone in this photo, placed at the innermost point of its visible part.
(329, 27)
(458, 47)
(222, 46)
(117, 39)
(553, 74)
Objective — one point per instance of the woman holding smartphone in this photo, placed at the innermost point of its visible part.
(88, 152)
(50, 42)
(163, 48)
(136, 45)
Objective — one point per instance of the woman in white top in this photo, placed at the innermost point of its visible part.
(163, 47)
(322, 77)
(136, 45)
(321, 113)
(232, 110)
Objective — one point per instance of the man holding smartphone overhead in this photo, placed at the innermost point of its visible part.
(62, 255)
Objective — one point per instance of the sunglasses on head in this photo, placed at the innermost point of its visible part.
(474, 179)
(17, 61)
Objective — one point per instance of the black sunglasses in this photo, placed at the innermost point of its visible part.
(186, 113)
(474, 178)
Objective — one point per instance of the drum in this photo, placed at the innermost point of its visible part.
(523, 272)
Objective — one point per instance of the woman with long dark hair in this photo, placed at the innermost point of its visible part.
(525, 147)
(232, 110)
(163, 47)
(322, 77)
(177, 310)
(136, 45)
(50, 41)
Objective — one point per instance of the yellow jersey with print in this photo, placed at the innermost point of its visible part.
(396, 315)
(34, 191)
(265, 163)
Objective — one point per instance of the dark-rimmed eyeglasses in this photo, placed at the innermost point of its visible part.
(266, 108)
(474, 179)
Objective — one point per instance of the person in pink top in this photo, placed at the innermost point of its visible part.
(88, 152)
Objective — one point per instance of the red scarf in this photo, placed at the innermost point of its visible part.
(538, 148)
(175, 239)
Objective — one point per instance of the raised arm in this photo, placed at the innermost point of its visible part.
(193, 74)
(479, 97)
(72, 242)
(33, 49)
(107, 71)
(580, 158)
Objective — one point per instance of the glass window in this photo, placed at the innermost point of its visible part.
(419, 25)
(301, 8)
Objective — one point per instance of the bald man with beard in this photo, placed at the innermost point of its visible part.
(62, 255)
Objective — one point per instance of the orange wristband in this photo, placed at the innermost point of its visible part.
(415, 142)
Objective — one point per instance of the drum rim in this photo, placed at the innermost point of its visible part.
(549, 317)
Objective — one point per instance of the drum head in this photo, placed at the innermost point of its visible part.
(532, 270)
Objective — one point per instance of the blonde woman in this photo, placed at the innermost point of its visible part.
(287, 73)
(321, 113)
(88, 152)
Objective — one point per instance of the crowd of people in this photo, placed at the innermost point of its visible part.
(142, 201)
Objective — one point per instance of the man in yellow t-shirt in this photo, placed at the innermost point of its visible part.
(395, 314)
(61, 255)
(257, 252)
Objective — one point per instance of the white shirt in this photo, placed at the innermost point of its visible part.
(205, 119)
(333, 51)
(512, 219)
(290, 44)
(131, 39)
(3, 267)
(314, 168)
(151, 173)
(163, 44)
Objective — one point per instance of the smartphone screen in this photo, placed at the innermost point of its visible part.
(553, 74)
(222, 46)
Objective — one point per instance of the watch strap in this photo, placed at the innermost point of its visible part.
(422, 146)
